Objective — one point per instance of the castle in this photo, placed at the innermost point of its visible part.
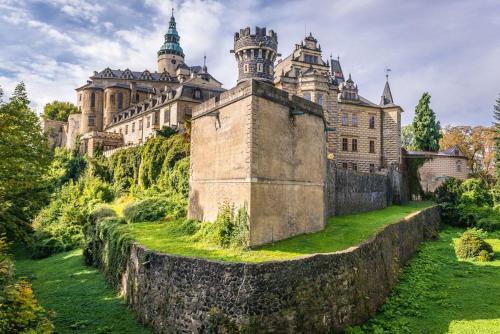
(123, 107)
(264, 145)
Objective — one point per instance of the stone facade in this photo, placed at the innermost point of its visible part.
(362, 136)
(439, 166)
(257, 147)
(110, 96)
(320, 293)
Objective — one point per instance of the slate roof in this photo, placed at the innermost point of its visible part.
(386, 98)
(337, 69)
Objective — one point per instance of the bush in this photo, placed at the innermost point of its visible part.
(102, 211)
(229, 229)
(471, 244)
(59, 226)
(151, 209)
(19, 309)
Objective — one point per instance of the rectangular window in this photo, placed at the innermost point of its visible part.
(345, 144)
(260, 53)
(133, 127)
(372, 122)
(372, 168)
(140, 124)
(372, 146)
(319, 99)
(354, 166)
(344, 165)
(345, 120)
(126, 129)
(354, 120)
(120, 130)
(245, 68)
(260, 67)
(148, 122)
(354, 145)
(166, 116)
(307, 96)
(91, 120)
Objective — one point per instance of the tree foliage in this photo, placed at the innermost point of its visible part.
(408, 137)
(476, 143)
(24, 158)
(427, 131)
(59, 111)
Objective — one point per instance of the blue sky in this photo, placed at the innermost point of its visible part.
(449, 48)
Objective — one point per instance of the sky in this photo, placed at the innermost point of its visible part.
(450, 49)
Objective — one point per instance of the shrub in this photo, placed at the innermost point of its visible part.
(475, 192)
(229, 229)
(484, 256)
(59, 226)
(150, 209)
(19, 309)
(470, 245)
(102, 211)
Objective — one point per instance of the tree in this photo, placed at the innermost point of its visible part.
(476, 143)
(408, 137)
(59, 111)
(427, 130)
(496, 116)
(24, 158)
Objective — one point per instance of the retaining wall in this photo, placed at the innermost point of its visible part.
(317, 293)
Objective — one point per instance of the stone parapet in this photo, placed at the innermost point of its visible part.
(320, 293)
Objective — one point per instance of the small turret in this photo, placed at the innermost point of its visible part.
(255, 54)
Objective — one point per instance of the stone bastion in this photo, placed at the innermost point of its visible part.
(317, 293)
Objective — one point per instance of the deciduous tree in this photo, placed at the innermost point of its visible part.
(24, 157)
(496, 116)
(59, 111)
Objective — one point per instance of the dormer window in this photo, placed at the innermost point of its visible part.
(197, 94)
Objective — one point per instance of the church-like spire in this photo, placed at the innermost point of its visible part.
(171, 45)
(386, 94)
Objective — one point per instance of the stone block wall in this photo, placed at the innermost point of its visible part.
(319, 293)
(249, 148)
(348, 191)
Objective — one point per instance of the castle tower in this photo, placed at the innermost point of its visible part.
(170, 55)
(255, 54)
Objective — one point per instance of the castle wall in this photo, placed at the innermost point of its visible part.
(248, 150)
(320, 293)
(437, 169)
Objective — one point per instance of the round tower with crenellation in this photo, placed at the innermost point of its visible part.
(255, 54)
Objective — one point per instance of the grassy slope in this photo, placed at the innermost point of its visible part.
(78, 295)
(340, 233)
(439, 294)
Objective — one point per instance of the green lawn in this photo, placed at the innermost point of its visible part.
(340, 233)
(439, 294)
(78, 296)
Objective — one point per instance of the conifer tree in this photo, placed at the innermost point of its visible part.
(24, 158)
(496, 116)
(427, 131)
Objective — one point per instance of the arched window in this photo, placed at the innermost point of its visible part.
(92, 100)
(120, 101)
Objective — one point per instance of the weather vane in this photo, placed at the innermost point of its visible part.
(387, 70)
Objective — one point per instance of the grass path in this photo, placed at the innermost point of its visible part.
(439, 294)
(340, 233)
(81, 300)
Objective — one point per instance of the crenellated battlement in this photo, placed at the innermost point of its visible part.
(255, 53)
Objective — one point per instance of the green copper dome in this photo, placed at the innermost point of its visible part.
(171, 45)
